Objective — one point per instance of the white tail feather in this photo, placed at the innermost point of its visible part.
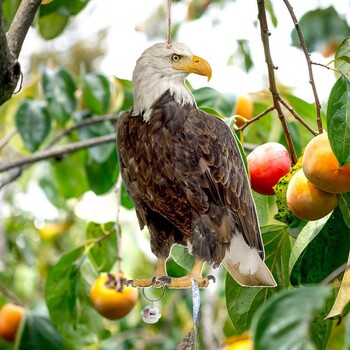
(245, 265)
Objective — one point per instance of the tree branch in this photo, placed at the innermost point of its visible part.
(7, 138)
(57, 152)
(262, 114)
(83, 123)
(272, 79)
(11, 45)
(20, 25)
(309, 66)
(297, 116)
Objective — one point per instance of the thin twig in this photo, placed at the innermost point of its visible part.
(57, 152)
(265, 33)
(309, 65)
(169, 41)
(262, 114)
(10, 295)
(335, 273)
(297, 116)
(7, 138)
(83, 123)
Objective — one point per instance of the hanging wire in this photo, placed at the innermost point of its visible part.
(169, 41)
(118, 190)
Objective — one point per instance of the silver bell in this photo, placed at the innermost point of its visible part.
(151, 314)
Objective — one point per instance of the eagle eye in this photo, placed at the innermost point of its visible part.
(175, 57)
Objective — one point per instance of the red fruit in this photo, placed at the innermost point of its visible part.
(267, 164)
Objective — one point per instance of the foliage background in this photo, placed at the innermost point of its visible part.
(54, 212)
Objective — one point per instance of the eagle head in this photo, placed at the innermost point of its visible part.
(159, 69)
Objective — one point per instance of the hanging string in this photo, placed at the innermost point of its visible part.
(169, 41)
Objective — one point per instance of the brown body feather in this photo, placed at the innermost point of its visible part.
(184, 172)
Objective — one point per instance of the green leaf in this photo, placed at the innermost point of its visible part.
(33, 123)
(102, 255)
(321, 247)
(100, 154)
(69, 176)
(126, 200)
(211, 111)
(338, 120)
(308, 112)
(244, 50)
(305, 109)
(219, 102)
(319, 27)
(283, 323)
(243, 302)
(278, 247)
(127, 93)
(347, 333)
(341, 303)
(271, 12)
(54, 17)
(38, 333)
(66, 7)
(96, 93)
(59, 90)
(342, 58)
(182, 257)
(66, 295)
(49, 187)
(52, 25)
(102, 176)
(9, 9)
(262, 208)
(344, 205)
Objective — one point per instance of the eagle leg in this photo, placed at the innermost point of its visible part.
(153, 281)
(186, 281)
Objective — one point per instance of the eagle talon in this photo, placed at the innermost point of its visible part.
(156, 282)
(129, 283)
(211, 278)
(165, 280)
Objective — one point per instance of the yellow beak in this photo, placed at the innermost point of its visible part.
(197, 65)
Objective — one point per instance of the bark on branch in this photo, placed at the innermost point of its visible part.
(265, 33)
(11, 45)
(57, 152)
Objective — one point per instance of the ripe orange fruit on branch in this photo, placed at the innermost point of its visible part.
(244, 108)
(306, 201)
(322, 168)
(240, 342)
(10, 318)
(110, 302)
(267, 164)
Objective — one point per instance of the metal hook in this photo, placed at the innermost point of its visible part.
(153, 300)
